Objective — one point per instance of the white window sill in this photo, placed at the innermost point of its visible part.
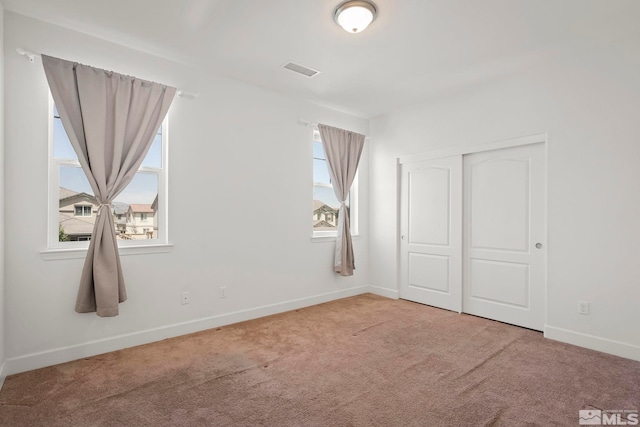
(319, 239)
(71, 253)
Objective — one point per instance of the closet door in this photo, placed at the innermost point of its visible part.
(504, 235)
(431, 232)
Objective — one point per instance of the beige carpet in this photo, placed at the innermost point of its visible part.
(360, 361)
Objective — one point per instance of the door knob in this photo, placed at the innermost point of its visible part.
(539, 245)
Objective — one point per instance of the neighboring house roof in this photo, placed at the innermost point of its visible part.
(73, 225)
(317, 205)
(154, 204)
(65, 192)
(321, 223)
(120, 209)
(141, 208)
(70, 197)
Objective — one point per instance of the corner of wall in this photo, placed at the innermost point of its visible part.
(384, 292)
(3, 375)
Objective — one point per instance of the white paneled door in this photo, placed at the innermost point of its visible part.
(473, 234)
(504, 235)
(431, 238)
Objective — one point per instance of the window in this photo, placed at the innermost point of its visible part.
(73, 206)
(83, 210)
(325, 203)
(143, 217)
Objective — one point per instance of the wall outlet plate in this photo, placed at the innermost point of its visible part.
(583, 307)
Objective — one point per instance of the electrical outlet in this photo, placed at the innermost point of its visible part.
(223, 292)
(583, 307)
(186, 298)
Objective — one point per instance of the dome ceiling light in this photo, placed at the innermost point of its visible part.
(355, 15)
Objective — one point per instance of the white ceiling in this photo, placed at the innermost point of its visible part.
(414, 50)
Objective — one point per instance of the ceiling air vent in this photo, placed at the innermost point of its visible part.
(305, 71)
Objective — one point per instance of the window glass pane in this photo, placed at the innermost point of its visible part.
(318, 150)
(154, 156)
(62, 148)
(138, 206)
(76, 205)
(327, 196)
(325, 209)
(143, 189)
(72, 178)
(320, 172)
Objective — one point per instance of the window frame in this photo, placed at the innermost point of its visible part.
(326, 235)
(63, 250)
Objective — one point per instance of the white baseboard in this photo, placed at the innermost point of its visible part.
(66, 354)
(384, 292)
(604, 345)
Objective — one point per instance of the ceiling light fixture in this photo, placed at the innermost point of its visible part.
(355, 15)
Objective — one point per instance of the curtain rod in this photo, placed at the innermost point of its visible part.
(32, 56)
(315, 125)
(308, 123)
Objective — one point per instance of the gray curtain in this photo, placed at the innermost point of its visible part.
(342, 149)
(111, 120)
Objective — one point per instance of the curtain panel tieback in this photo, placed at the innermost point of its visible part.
(103, 205)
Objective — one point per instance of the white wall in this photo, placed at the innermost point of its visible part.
(236, 150)
(2, 268)
(589, 105)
